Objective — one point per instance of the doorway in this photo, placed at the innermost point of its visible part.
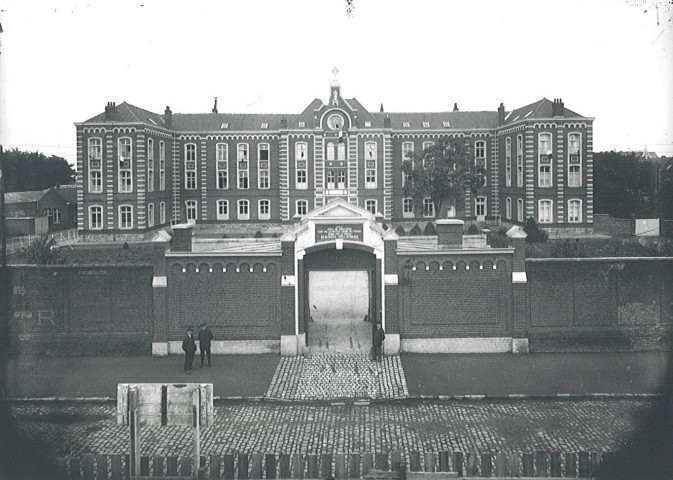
(339, 302)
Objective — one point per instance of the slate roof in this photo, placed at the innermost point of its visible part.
(457, 120)
(67, 192)
(25, 197)
(198, 122)
(540, 109)
(125, 112)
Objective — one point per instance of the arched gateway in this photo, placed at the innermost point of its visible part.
(339, 284)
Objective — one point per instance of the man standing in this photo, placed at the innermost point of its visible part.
(189, 346)
(205, 337)
(379, 335)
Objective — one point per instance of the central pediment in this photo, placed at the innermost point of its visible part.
(340, 208)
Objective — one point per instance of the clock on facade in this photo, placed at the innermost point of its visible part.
(335, 122)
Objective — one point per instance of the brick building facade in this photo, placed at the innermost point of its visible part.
(138, 170)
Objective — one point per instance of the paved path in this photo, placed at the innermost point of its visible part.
(326, 377)
(476, 426)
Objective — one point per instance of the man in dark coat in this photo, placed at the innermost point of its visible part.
(189, 346)
(379, 335)
(205, 337)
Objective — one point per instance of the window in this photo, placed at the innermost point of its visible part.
(480, 206)
(191, 211)
(428, 208)
(544, 160)
(223, 210)
(96, 217)
(508, 162)
(407, 207)
(371, 158)
(574, 160)
(125, 217)
(341, 151)
(124, 155)
(56, 216)
(150, 215)
(264, 209)
(150, 165)
(519, 209)
(544, 212)
(508, 207)
(243, 165)
(301, 207)
(95, 165)
(301, 164)
(407, 156)
(370, 206)
(162, 166)
(341, 179)
(575, 211)
(331, 179)
(480, 161)
(519, 161)
(405, 124)
(162, 213)
(426, 124)
(446, 124)
(264, 125)
(331, 151)
(243, 210)
(302, 124)
(263, 168)
(190, 166)
(222, 164)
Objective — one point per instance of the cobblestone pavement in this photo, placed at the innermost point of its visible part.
(467, 426)
(337, 377)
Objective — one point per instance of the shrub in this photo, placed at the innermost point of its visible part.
(416, 231)
(41, 251)
(430, 229)
(535, 235)
(499, 238)
(473, 230)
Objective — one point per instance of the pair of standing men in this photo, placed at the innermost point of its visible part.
(189, 346)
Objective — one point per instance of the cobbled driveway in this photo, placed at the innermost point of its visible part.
(266, 427)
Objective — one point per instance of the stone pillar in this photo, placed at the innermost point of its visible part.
(517, 239)
(450, 233)
(182, 238)
(160, 317)
(391, 302)
(289, 339)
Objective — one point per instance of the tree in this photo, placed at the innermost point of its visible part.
(27, 171)
(444, 172)
(535, 235)
(41, 251)
(623, 184)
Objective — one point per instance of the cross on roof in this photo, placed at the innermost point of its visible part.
(335, 71)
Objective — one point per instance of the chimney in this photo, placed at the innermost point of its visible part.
(381, 108)
(386, 122)
(455, 107)
(168, 117)
(557, 109)
(283, 123)
(182, 237)
(110, 109)
(215, 107)
(501, 114)
(449, 233)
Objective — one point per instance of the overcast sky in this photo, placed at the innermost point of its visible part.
(62, 61)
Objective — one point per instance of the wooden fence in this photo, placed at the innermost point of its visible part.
(243, 466)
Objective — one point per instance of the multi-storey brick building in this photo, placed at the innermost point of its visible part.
(139, 170)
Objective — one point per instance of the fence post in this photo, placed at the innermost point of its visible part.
(486, 465)
(312, 460)
(541, 464)
(340, 466)
(458, 463)
(585, 465)
(228, 464)
(284, 465)
(414, 461)
(571, 465)
(354, 465)
(256, 465)
(242, 466)
(472, 467)
(270, 465)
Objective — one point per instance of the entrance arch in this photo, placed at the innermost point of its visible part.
(339, 299)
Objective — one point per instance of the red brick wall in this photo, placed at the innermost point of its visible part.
(238, 304)
(83, 310)
(474, 302)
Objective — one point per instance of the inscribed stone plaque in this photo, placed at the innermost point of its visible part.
(325, 233)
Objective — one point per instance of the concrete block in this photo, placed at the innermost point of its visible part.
(391, 344)
(159, 349)
(458, 345)
(520, 345)
(288, 345)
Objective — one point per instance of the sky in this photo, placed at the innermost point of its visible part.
(62, 61)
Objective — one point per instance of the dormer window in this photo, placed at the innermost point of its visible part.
(446, 124)
(368, 124)
(405, 124)
(224, 126)
(302, 124)
(265, 125)
(426, 124)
